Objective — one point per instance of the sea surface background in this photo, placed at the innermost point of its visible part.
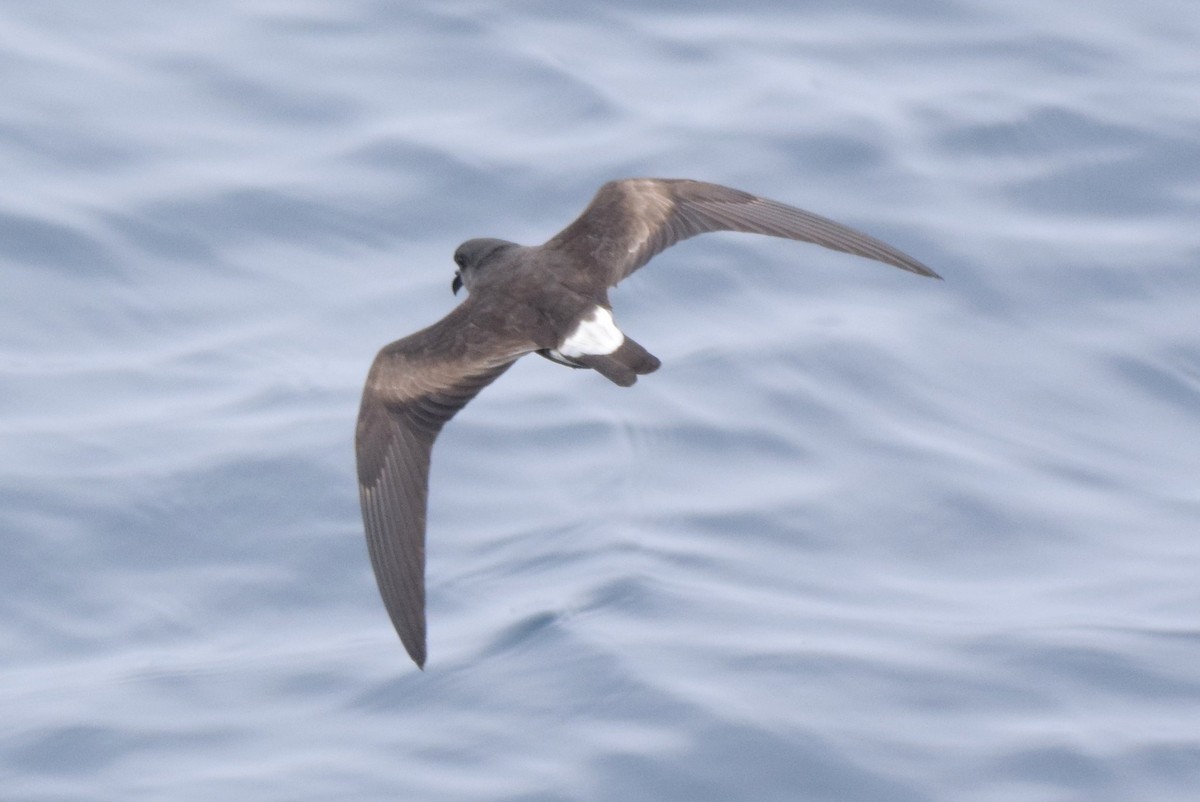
(865, 536)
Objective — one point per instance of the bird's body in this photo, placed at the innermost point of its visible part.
(552, 300)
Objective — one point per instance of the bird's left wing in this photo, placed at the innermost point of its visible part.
(415, 385)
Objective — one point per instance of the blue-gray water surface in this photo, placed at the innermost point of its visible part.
(865, 536)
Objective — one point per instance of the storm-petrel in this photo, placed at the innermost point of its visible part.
(551, 299)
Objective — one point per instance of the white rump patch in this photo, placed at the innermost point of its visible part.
(595, 334)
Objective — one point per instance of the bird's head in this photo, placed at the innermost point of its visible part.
(473, 257)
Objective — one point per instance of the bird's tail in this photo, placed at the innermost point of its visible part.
(623, 365)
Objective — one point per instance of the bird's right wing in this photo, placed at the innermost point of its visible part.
(631, 220)
(414, 387)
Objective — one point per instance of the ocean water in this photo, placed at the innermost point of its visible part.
(865, 536)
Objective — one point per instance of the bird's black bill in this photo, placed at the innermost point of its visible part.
(456, 285)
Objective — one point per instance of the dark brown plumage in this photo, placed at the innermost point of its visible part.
(552, 300)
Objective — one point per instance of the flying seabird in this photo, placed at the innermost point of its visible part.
(550, 299)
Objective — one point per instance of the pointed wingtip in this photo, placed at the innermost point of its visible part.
(418, 657)
(905, 262)
(415, 648)
(913, 266)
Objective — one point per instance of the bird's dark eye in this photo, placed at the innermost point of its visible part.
(459, 260)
